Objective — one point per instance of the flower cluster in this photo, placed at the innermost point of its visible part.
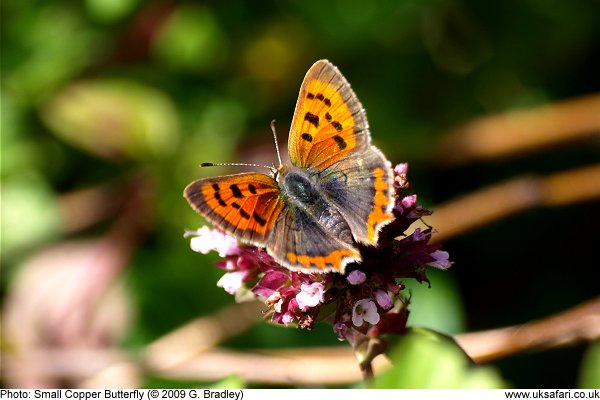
(364, 302)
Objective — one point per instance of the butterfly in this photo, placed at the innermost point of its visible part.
(310, 215)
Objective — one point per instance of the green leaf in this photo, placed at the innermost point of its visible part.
(231, 382)
(191, 40)
(113, 118)
(110, 10)
(589, 376)
(427, 359)
(437, 307)
(30, 213)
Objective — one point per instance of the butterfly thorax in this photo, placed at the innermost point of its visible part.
(299, 186)
(302, 191)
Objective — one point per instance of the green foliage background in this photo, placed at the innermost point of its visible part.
(95, 92)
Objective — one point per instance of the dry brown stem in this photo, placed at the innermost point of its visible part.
(580, 323)
(196, 360)
(515, 132)
(505, 199)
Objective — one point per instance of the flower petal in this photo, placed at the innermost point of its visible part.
(356, 277)
(232, 281)
(310, 295)
(383, 299)
(365, 310)
(441, 259)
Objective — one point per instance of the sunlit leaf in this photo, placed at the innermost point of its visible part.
(114, 119)
(110, 10)
(437, 307)
(589, 375)
(191, 40)
(427, 359)
(30, 212)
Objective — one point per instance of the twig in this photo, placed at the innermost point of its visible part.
(502, 200)
(306, 366)
(303, 366)
(501, 135)
(201, 335)
(580, 323)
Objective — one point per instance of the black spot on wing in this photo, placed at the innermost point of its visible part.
(340, 141)
(220, 200)
(258, 219)
(217, 195)
(307, 136)
(319, 96)
(312, 118)
(252, 188)
(338, 127)
(237, 193)
(244, 214)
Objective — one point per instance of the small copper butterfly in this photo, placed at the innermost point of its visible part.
(337, 193)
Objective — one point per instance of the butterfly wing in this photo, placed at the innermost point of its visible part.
(245, 206)
(329, 122)
(301, 244)
(361, 188)
(330, 138)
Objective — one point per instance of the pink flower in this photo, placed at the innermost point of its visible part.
(341, 329)
(286, 309)
(200, 241)
(278, 304)
(356, 277)
(409, 201)
(383, 299)
(401, 169)
(441, 259)
(232, 281)
(229, 264)
(310, 295)
(365, 310)
(418, 235)
(274, 299)
(400, 179)
(287, 318)
(206, 239)
(270, 283)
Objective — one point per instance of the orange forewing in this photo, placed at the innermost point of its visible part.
(329, 122)
(244, 205)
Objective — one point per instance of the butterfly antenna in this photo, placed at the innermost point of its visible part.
(276, 143)
(272, 169)
(210, 164)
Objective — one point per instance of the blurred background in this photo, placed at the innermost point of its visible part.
(109, 106)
